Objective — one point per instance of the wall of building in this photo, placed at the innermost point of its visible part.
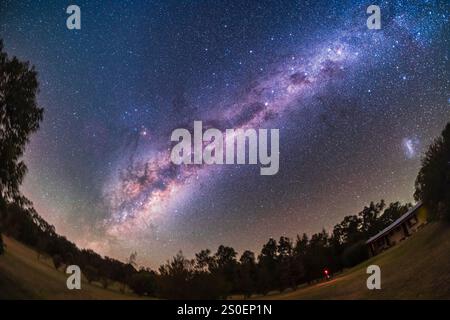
(396, 235)
(413, 224)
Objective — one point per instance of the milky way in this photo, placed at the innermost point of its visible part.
(356, 108)
(145, 185)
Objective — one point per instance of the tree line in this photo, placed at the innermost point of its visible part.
(281, 264)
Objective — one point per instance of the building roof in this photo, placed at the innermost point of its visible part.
(396, 223)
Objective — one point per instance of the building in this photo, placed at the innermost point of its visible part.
(399, 230)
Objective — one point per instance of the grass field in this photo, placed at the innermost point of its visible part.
(24, 276)
(417, 268)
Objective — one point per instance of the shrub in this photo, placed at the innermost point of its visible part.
(356, 253)
(90, 273)
(143, 283)
(2, 246)
(57, 261)
(105, 282)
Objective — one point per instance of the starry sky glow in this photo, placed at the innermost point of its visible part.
(356, 109)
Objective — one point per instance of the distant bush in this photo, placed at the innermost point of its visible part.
(105, 282)
(143, 283)
(57, 261)
(90, 273)
(355, 254)
(2, 247)
(209, 286)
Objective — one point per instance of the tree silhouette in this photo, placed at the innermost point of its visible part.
(143, 282)
(285, 263)
(226, 264)
(174, 278)
(19, 117)
(204, 261)
(370, 222)
(433, 180)
(57, 261)
(90, 273)
(394, 211)
(247, 273)
(267, 261)
(2, 249)
(132, 259)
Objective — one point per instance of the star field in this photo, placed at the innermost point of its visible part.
(356, 108)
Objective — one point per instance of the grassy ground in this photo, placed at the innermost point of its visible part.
(417, 268)
(24, 276)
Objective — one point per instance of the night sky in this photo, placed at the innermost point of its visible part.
(356, 109)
